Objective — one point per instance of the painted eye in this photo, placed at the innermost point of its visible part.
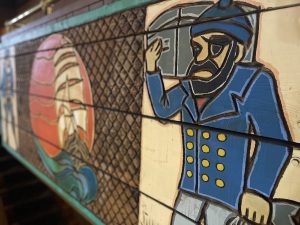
(196, 49)
(215, 49)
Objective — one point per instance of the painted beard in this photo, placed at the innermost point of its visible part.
(201, 87)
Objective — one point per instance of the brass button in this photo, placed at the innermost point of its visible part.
(190, 159)
(222, 137)
(205, 135)
(205, 148)
(190, 132)
(221, 152)
(220, 166)
(189, 173)
(204, 177)
(205, 163)
(189, 145)
(220, 183)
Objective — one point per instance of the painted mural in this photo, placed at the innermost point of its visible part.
(63, 119)
(206, 75)
(8, 98)
(178, 112)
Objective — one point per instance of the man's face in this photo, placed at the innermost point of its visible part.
(210, 53)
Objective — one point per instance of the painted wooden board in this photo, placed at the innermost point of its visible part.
(167, 155)
(275, 64)
(98, 167)
(134, 130)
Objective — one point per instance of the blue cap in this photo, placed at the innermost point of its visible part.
(237, 26)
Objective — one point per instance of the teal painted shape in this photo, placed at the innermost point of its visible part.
(80, 182)
(50, 183)
(83, 18)
(52, 165)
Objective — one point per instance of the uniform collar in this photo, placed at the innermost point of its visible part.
(225, 103)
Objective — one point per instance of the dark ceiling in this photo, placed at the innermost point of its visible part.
(12, 3)
(9, 9)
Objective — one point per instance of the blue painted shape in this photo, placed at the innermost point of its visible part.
(249, 94)
(80, 183)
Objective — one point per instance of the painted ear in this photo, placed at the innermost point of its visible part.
(240, 52)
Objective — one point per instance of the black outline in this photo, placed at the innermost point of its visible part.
(236, 98)
(277, 98)
(94, 167)
(196, 126)
(263, 10)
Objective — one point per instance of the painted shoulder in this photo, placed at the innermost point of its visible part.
(258, 67)
(247, 74)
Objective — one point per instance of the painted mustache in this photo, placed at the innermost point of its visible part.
(208, 65)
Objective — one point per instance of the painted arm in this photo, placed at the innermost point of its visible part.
(263, 106)
(165, 103)
(268, 119)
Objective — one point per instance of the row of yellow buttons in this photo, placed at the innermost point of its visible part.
(221, 152)
(205, 149)
(220, 183)
(206, 135)
(206, 163)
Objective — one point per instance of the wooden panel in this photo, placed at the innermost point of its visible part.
(167, 156)
(110, 173)
(138, 131)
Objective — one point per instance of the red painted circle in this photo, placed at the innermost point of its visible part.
(42, 110)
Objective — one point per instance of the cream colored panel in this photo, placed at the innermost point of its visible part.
(161, 163)
(71, 92)
(279, 49)
(156, 9)
(289, 185)
(149, 208)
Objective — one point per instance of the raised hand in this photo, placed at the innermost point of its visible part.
(153, 53)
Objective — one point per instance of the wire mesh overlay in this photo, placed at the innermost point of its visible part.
(115, 70)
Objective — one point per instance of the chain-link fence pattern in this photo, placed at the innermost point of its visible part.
(23, 74)
(116, 202)
(115, 70)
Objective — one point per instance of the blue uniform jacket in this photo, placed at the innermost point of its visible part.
(215, 162)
